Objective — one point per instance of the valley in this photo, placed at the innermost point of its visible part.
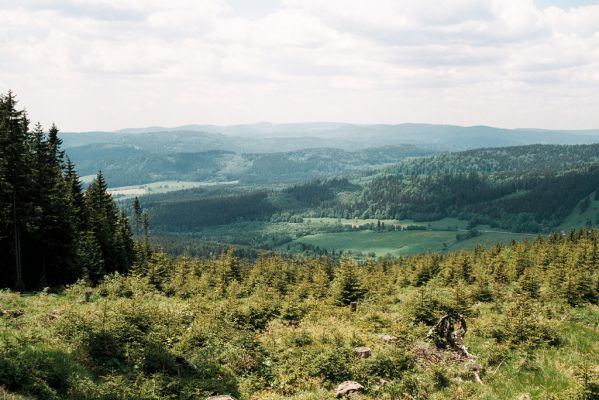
(441, 202)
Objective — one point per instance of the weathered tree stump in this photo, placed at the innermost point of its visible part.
(444, 334)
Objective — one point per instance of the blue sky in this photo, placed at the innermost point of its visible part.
(111, 64)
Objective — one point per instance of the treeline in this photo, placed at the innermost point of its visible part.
(536, 157)
(193, 214)
(51, 230)
(318, 193)
(518, 202)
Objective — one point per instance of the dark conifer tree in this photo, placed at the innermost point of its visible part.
(18, 185)
(50, 231)
(103, 220)
(137, 215)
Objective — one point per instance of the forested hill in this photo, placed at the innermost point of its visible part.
(521, 189)
(124, 165)
(510, 159)
(267, 153)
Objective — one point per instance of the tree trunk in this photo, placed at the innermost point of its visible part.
(17, 247)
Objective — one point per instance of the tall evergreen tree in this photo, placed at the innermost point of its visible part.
(103, 220)
(14, 142)
(137, 215)
(347, 285)
(50, 231)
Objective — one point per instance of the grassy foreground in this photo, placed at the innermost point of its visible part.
(284, 328)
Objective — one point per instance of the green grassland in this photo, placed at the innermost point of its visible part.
(442, 224)
(576, 218)
(403, 243)
(336, 234)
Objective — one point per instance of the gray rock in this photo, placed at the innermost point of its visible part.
(348, 388)
(363, 352)
(221, 397)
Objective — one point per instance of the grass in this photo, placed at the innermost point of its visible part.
(577, 219)
(321, 232)
(403, 242)
(553, 370)
(442, 224)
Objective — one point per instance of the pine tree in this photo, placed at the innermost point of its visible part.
(124, 244)
(347, 286)
(103, 220)
(76, 197)
(53, 232)
(137, 215)
(18, 186)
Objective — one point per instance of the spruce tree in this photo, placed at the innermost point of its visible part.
(137, 215)
(18, 187)
(103, 220)
(347, 286)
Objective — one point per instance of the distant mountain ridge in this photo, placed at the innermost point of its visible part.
(268, 153)
(267, 137)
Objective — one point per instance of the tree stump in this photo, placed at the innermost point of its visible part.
(444, 334)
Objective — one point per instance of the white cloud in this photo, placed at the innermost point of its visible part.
(108, 64)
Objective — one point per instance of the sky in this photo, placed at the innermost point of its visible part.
(111, 64)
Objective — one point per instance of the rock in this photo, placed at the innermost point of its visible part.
(221, 397)
(363, 352)
(348, 388)
(389, 339)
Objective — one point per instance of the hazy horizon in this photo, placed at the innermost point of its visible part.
(197, 126)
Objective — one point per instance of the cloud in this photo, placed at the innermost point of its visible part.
(108, 64)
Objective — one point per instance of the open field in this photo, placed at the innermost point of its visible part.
(127, 192)
(334, 234)
(404, 242)
(577, 219)
(442, 224)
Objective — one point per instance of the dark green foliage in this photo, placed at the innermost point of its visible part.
(317, 193)
(38, 370)
(194, 214)
(347, 286)
(521, 202)
(45, 217)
